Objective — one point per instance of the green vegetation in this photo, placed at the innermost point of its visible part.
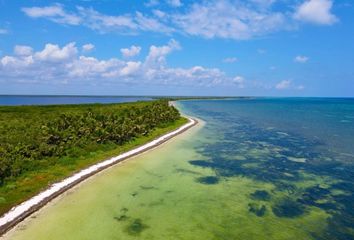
(40, 145)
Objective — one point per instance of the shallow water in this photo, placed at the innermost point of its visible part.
(258, 169)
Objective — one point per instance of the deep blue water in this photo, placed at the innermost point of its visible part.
(302, 147)
(50, 100)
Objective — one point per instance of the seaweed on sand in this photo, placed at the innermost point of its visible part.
(136, 227)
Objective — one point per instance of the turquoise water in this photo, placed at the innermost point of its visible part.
(304, 148)
(263, 168)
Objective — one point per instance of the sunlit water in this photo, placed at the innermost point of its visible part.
(257, 169)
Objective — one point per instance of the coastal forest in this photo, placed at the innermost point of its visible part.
(43, 144)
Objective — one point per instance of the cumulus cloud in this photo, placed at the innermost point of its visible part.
(53, 53)
(88, 47)
(130, 52)
(301, 59)
(22, 50)
(230, 60)
(157, 54)
(316, 11)
(56, 64)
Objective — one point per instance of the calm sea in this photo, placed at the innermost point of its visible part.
(50, 100)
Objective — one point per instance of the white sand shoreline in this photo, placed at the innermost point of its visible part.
(23, 210)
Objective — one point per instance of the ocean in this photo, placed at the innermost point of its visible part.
(257, 168)
(15, 100)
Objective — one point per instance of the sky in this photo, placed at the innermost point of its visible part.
(177, 47)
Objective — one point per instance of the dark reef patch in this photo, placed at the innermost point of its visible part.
(208, 180)
(258, 210)
(288, 208)
(261, 195)
(283, 159)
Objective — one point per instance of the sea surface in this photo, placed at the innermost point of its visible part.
(263, 168)
(13, 100)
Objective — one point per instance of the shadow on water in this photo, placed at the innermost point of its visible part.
(282, 159)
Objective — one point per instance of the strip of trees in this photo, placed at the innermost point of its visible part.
(33, 137)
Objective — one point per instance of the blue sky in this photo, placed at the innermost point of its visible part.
(177, 47)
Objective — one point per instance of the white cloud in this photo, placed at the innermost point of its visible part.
(151, 24)
(88, 47)
(130, 68)
(285, 84)
(157, 54)
(130, 52)
(56, 64)
(106, 23)
(53, 53)
(151, 3)
(301, 59)
(22, 50)
(288, 84)
(124, 24)
(239, 81)
(159, 13)
(230, 60)
(175, 3)
(55, 13)
(228, 19)
(316, 11)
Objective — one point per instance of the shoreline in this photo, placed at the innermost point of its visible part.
(20, 212)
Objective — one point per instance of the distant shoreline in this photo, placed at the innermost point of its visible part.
(20, 212)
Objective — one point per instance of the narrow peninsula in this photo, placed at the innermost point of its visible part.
(48, 144)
